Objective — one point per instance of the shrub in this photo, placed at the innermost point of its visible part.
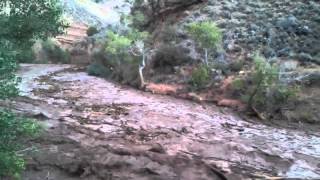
(262, 90)
(97, 69)
(54, 53)
(14, 130)
(8, 80)
(264, 77)
(236, 66)
(168, 55)
(238, 84)
(26, 56)
(138, 19)
(200, 77)
(92, 31)
(169, 34)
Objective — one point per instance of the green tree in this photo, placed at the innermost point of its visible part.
(21, 22)
(262, 89)
(206, 34)
(117, 44)
(125, 49)
(24, 21)
(264, 77)
(126, 46)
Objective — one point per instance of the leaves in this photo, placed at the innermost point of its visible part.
(116, 43)
(8, 80)
(28, 20)
(200, 77)
(207, 34)
(13, 128)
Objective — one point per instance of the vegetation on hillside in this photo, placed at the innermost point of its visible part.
(262, 89)
(92, 30)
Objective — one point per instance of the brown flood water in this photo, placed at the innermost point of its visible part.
(99, 130)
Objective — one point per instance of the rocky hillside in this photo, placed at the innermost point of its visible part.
(284, 29)
(102, 13)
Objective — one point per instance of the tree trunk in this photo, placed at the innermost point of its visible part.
(206, 57)
(141, 67)
(250, 102)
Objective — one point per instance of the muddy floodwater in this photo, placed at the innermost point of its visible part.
(96, 129)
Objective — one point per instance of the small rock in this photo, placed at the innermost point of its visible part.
(305, 57)
(289, 65)
(269, 52)
(288, 23)
(195, 97)
(284, 52)
(157, 148)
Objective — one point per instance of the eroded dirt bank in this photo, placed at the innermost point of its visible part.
(99, 130)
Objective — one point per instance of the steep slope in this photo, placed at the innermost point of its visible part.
(98, 14)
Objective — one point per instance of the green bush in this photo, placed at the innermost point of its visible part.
(8, 66)
(14, 131)
(262, 90)
(236, 66)
(169, 55)
(200, 77)
(238, 84)
(54, 53)
(264, 77)
(92, 31)
(26, 56)
(97, 69)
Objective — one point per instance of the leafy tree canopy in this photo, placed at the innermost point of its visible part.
(117, 43)
(23, 21)
(207, 34)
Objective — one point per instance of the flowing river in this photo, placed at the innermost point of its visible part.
(96, 129)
